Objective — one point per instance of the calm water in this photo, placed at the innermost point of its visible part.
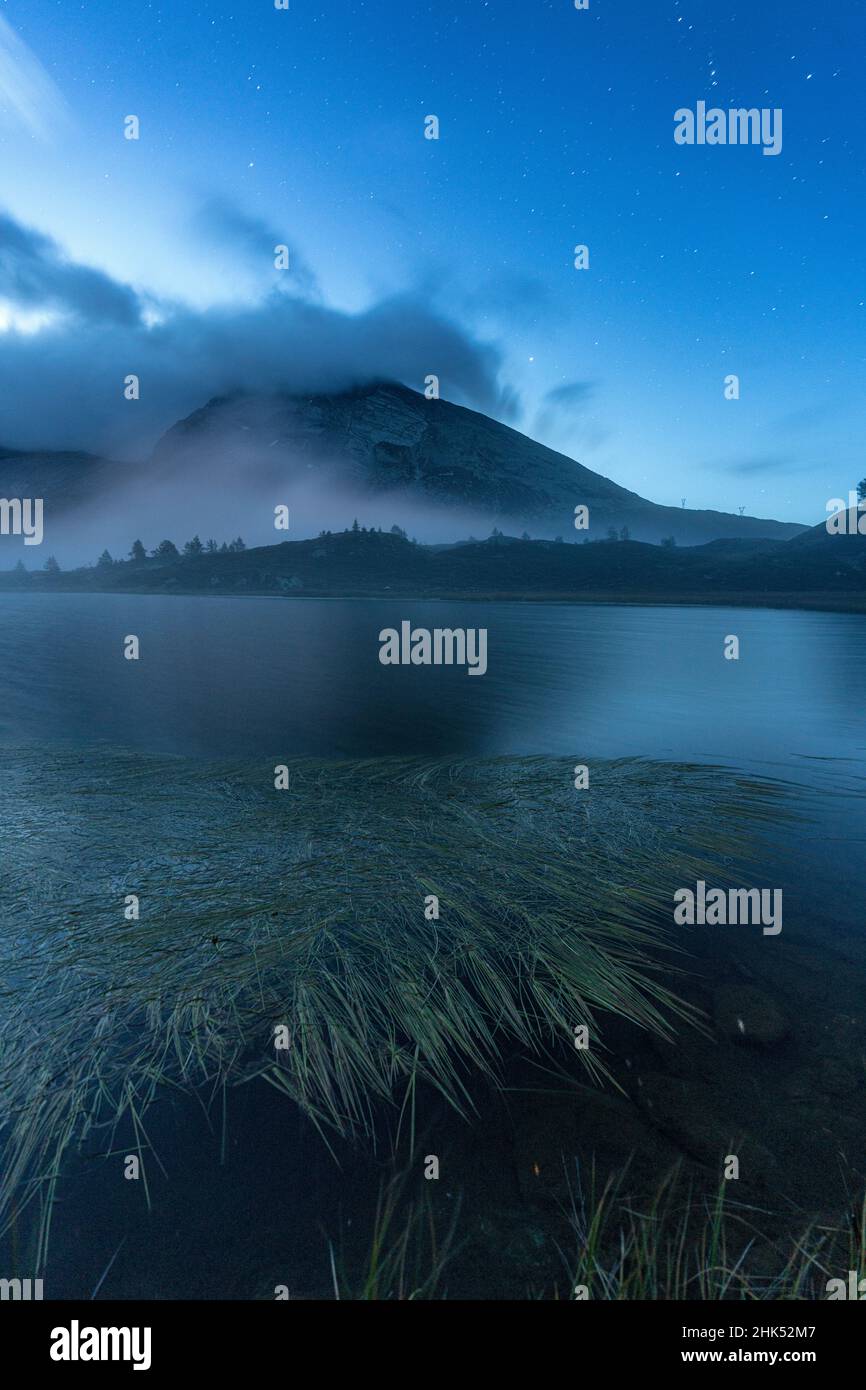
(277, 678)
(261, 677)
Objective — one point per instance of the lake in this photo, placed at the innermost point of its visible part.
(282, 678)
(260, 677)
(263, 681)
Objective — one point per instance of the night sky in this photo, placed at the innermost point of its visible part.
(306, 127)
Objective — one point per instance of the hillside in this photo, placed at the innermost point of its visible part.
(368, 563)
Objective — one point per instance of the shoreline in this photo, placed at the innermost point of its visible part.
(804, 602)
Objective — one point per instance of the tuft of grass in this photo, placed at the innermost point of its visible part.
(305, 908)
(677, 1246)
(407, 1256)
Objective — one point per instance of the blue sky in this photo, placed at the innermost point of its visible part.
(556, 128)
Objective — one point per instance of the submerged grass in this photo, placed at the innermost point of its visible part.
(305, 908)
(678, 1246)
(675, 1244)
(409, 1253)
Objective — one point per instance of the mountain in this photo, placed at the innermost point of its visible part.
(68, 479)
(382, 445)
(388, 439)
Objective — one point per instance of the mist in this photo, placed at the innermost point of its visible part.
(221, 497)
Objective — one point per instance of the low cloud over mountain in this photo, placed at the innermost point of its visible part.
(74, 334)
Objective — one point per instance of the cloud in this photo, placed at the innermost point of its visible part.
(63, 386)
(569, 397)
(767, 464)
(28, 97)
(561, 406)
(35, 274)
(808, 417)
(509, 299)
(255, 241)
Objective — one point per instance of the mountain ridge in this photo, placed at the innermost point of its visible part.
(377, 441)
